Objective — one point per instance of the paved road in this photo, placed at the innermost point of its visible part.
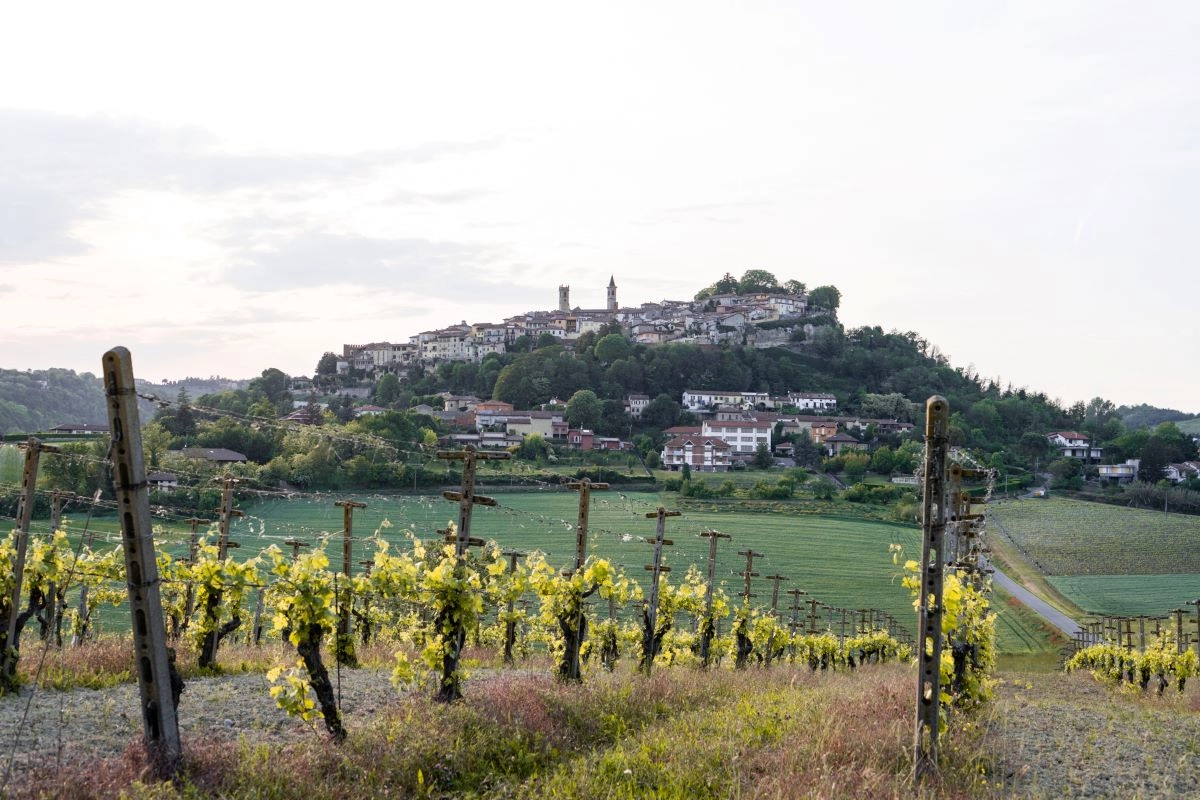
(1052, 615)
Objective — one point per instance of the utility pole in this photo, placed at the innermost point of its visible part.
(158, 683)
(929, 604)
(650, 636)
(343, 646)
(708, 626)
(33, 453)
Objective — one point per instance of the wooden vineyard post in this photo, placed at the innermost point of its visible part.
(448, 621)
(158, 684)
(55, 595)
(929, 603)
(343, 647)
(575, 634)
(208, 649)
(775, 581)
(743, 645)
(189, 592)
(813, 617)
(707, 625)
(82, 619)
(1179, 645)
(295, 544)
(651, 637)
(795, 609)
(510, 623)
(1196, 603)
(33, 452)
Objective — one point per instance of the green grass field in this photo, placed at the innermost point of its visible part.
(1129, 595)
(1108, 559)
(1073, 537)
(11, 465)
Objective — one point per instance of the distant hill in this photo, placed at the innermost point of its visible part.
(1147, 416)
(37, 400)
(40, 399)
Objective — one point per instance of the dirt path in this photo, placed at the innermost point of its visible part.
(1049, 735)
(86, 723)
(1057, 735)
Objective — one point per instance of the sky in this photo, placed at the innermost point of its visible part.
(226, 187)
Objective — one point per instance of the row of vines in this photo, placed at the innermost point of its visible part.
(428, 600)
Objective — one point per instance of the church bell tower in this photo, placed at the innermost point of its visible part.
(612, 294)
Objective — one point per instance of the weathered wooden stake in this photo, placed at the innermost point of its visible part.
(33, 452)
(450, 687)
(574, 634)
(510, 625)
(651, 638)
(933, 556)
(707, 626)
(343, 648)
(158, 684)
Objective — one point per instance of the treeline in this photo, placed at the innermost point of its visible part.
(40, 399)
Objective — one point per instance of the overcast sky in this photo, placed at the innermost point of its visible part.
(236, 186)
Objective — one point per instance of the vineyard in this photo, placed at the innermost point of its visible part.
(1107, 559)
(1071, 537)
(842, 562)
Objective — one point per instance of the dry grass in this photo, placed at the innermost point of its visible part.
(777, 733)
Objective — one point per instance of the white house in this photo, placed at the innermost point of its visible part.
(1072, 444)
(699, 453)
(743, 436)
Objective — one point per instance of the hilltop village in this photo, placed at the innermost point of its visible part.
(733, 313)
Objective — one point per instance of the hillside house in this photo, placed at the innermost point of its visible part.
(215, 455)
(841, 442)
(1072, 444)
(743, 436)
(636, 403)
(1119, 473)
(162, 481)
(81, 429)
(580, 439)
(699, 453)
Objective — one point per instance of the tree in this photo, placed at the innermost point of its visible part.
(275, 386)
(757, 280)
(612, 347)
(661, 412)
(855, 465)
(794, 287)
(387, 390)
(583, 409)
(827, 297)
(327, 365)
(762, 457)
(546, 340)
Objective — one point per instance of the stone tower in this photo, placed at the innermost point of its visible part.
(564, 298)
(612, 294)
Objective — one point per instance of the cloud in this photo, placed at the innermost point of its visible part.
(323, 259)
(33, 224)
(56, 171)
